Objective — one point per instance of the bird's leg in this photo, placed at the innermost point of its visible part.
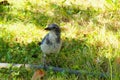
(44, 60)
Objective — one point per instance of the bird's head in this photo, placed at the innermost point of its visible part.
(53, 27)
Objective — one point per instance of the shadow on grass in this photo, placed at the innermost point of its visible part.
(75, 54)
(12, 52)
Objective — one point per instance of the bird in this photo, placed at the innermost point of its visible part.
(52, 42)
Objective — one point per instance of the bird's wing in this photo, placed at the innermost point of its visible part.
(43, 39)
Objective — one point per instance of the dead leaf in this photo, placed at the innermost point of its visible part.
(38, 74)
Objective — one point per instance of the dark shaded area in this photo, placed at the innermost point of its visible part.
(17, 53)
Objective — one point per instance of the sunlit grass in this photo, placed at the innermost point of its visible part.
(21, 32)
(90, 34)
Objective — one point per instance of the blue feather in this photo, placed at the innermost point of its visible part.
(44, 38)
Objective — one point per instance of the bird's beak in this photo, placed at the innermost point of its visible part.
(47, 28)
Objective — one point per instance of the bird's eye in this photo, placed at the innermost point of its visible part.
(54, 27)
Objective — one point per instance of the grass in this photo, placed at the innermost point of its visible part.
(90, 34)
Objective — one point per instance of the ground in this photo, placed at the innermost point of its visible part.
(90, 35)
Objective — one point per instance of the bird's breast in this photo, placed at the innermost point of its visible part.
(53, 47)
(52, 37)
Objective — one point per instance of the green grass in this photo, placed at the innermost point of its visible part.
(90, 34)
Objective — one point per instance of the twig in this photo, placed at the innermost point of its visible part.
(55, 69)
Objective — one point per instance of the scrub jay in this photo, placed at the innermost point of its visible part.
(51, 43)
